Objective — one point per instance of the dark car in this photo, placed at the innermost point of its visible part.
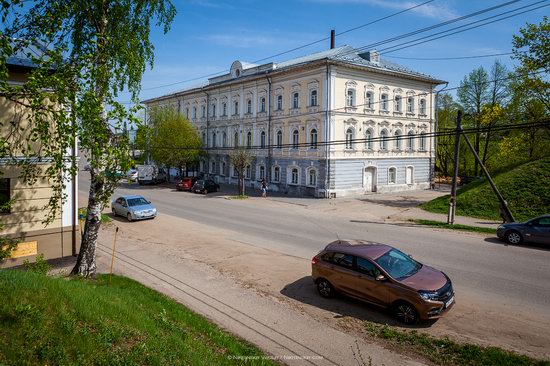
(186, 184)
(384, 276)
(205, 185)
(536, 230)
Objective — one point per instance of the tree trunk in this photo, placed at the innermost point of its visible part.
(86, 264)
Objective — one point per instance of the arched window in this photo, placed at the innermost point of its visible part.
(384, 102)
(236, 139)
(422, 141)
(368, 139)
(349, 138)
(410, 141)
(279, 139)
(248, 172)
(398, 140)
(262, 139)
(313, 138)
(213, 139)
(295, 139)
(249, 140)
(262, 104)
(312, 177)
(194, 112)
(398, 101)
(204, 138)
(224, 109)
(222, 172)
(213, 110)
(262, 172)
(235, 171)
(350, 98)
(313, 98)
(294, 176)
(187, 112)
(276, 174)
(410, 105)
(384, 140)
(224, 140)
(369, 99)
(249, 106)
(392, 175)
(203, 111)
(279, 102)
(236, 108)
(295, 100)
(213, 168)
(423, 106)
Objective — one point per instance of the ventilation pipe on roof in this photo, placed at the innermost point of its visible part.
(332, 41)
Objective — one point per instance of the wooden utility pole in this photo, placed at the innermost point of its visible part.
(452, 200)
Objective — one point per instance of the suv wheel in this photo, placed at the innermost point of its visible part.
(513, 237)
(325, 288)
(406, 313)
(129, 217)
(114, 212)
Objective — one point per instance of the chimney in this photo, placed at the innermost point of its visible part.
(332, 36)
(372, 56)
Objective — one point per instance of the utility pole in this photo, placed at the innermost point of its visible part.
(452, 200)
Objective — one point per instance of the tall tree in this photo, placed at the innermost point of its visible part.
(94, 49)
(241, 158)
(446, 119)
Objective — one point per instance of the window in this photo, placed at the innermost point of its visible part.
(410, 140)
(262, 104)
(295, 100)
(4, 195)
(398, 140)
(391, 175)
(367, 267)
(224, 109)
(410, 105)
(423, 106)
(236, 108)
(203, 111)
(248, 172)
(262, 172)
(384, 102)
(279, 139)
(349, 138)
(384, 140)
(276, 174)
(313, 139)
(194, 112)
(313, 98)
(204, 138)
(262, 139)
(224, 140)
(279, 102)
(368, 140)
(343, 260)
(214, 139)
(350, 98)
(369, 100)
(235, 171)
(213, 168)
(312, 177)
(249, 140)
(187, 112)
(398, 101)
(249, 106)
(236, 139)
(213, 110)
(294, 176)
(295, 139)
(422, 146)
(222, 172)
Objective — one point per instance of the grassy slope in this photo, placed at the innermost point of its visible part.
(57, 321)
(526, 188)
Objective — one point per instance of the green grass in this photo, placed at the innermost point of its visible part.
(60, 321)
(238, 197)
(444, 351)
(459, 227)
(524, 187)
(104, 217)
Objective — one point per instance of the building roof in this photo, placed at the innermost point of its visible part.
(346, 55)
(22, 57)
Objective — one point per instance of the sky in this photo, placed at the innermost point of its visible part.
(206, 36)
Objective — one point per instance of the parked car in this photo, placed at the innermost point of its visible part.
(186, 184)
(133, 208)
(536, 230)
(205, 185)
(132, 175)
(383, 276)
(150, 174)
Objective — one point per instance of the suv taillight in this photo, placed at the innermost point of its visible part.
(314, 260)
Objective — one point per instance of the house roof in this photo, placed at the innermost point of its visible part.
(22, 57)
(346, 55)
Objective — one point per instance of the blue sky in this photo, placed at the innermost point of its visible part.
(208, 35)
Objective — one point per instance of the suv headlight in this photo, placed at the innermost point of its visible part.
(428, 295)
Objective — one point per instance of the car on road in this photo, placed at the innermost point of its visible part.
(133, 208)
(186, 184)
(132, 175)
(384, 276)
(536, 230)
(205, 186)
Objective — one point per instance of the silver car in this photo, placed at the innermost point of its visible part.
(536, 230)
(133, 208)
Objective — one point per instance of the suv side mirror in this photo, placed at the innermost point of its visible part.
(380, 278)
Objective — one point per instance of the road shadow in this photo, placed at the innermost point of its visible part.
(305, 291)
(401, 202)
(530, 246)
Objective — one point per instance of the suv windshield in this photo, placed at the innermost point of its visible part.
(398, 264)
(137, 201)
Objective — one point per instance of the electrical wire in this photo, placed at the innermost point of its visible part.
(450, 58)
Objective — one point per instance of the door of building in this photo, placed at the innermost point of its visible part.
(369, 176)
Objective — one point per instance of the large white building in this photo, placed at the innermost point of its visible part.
(329, 124)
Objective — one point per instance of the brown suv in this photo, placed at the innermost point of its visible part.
(384, 276)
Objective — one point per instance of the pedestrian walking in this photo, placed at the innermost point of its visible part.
(263, 188)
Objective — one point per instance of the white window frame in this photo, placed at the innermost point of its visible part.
(261, 172)
(411, 135)
(394, 169)
(410, 105)
(262, 139)
(276, 174)
(249, 106)
(313, 138)
(350, 141)
(398, 103)
(280, 102)
(295, 139)
(279, 138)
(295, 100)
(369, 99)
(384, 102)
(350, 98)
(369, 134)
(423, 106)
(262, 104)
(309, 176)
(291, 175)
(249, 140)
(384, 140)
(398, 138)
(313, 98)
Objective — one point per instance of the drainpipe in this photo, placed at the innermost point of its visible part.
(269, 142)
(73, 198)
(207, 133)
(327, 134)
(436, 129)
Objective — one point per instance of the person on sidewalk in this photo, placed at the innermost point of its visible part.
(263, 188)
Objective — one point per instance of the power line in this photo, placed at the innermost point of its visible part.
(450, 58)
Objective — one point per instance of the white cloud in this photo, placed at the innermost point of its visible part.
(248, 38)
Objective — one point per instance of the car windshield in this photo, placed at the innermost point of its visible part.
(139, 201)
(398, 264)
(199, 182)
